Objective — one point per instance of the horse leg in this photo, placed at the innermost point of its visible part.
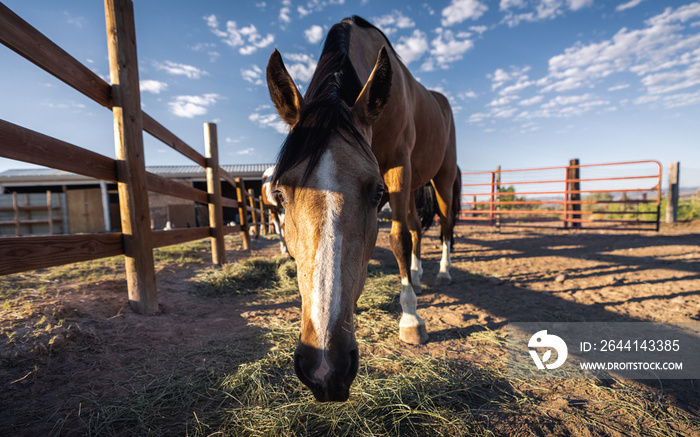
(411, 326)
(414, 228)
(444, 190)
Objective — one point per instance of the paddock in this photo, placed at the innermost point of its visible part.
(219, 357)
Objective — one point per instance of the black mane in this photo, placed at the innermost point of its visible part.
(329, 98)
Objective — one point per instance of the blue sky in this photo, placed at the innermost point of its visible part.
(532, 83)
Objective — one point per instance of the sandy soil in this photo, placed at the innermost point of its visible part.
(50, 368)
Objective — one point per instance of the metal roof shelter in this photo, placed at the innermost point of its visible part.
(49, 176)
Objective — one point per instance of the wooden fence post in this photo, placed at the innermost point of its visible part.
(131, 170)
(253, 213)
(243, 212)
(674, 173)
(216, 213)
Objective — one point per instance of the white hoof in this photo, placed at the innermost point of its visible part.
(412, 329)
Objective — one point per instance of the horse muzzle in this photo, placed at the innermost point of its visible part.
(328, 374)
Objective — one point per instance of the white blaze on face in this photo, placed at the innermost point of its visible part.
(325, 299)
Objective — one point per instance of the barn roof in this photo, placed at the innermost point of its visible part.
(194, 172)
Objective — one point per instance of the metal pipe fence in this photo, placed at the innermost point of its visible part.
(618, 196)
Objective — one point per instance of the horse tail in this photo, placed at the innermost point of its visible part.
(426, 205)
(456, 203)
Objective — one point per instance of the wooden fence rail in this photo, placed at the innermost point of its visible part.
(136, 241)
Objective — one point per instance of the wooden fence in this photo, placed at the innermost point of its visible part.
(137, 240)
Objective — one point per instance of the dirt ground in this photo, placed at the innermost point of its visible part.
(72, 342)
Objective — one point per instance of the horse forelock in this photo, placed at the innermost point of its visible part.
(332, 91)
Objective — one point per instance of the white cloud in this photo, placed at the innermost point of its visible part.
(479, 29)
(500, 101)
(312, 6)
(247, 39)
(567, 100)
(303, 12)
(191, 106)
(411, 48)
(176, 69)
(152, 86)
(447, 48)
(531, 101)
(505, 5)
(209, 48)
(467, 95)
(389, 23)
(300, 66)
(498, 78)
(575, 5)
(460, 10)
(314, 34)
(663, 54)
(253, 75)
(536, 10)
(269, 120)
(629, 5)
(510, 82)
(284, 15)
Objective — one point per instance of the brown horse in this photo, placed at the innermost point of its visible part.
(364, 126)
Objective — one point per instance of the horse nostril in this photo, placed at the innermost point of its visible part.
(353, 366)
(300, 370)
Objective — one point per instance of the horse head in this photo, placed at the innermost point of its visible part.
(329, 183)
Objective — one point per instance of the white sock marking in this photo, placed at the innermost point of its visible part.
(445, 262)
(416, 269)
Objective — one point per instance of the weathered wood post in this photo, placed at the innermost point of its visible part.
(131, 170)
(216, 212)
(253, 214)
(674, 173)
(243, 212)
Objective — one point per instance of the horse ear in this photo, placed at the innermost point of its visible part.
(283, 91)
(370, 104)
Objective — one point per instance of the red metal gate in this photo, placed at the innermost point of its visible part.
(619, 196)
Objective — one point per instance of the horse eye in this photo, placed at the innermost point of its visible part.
(279, 197)
(378, 194)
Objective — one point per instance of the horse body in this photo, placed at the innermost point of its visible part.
(364, 125)
(414, 142)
